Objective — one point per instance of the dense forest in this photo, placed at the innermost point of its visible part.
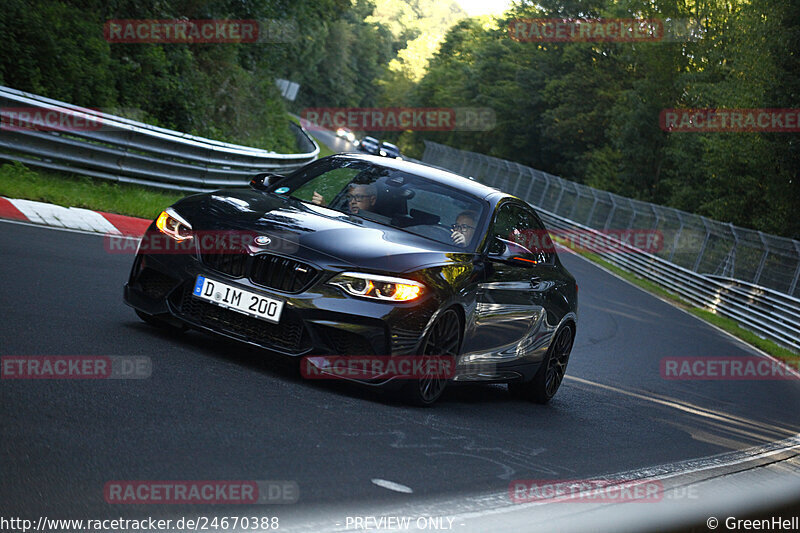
(588, 111)
(226, 91)
(340, 52)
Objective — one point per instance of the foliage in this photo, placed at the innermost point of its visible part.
(56, 48)
(17, 181)
(586, 111)
(590, 111)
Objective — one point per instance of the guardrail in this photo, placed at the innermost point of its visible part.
(769, 313)
(701, 244)
(120, 149)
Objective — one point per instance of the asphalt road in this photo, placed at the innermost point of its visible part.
(337, 144)
(216, 410)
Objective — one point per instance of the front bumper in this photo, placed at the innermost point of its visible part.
(320, 320)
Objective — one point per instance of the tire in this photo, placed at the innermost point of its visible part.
(166, 322)
(548, 378)
(443, 339)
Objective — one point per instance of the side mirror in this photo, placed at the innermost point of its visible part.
(261, 182)
(505, 251)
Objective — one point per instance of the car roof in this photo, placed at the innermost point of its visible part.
(390, 145)
(432, 173)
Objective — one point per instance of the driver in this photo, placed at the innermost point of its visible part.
(360, 197)
(464, 228)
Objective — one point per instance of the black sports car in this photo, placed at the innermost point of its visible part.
(369, 145)
(359, 255)
(389, 150)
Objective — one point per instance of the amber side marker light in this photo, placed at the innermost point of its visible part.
(173, 225)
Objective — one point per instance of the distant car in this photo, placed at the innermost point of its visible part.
(389, 150)
(388, 280)
(369, 145)
(344, 133)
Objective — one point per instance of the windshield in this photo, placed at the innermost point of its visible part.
(391, 197)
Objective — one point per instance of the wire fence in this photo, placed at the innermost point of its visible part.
(691, 241)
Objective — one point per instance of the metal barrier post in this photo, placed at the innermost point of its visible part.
(763, 258)
(677, 237)
(594, 205)
(796, 270)
(610, 216)
(703, 247)
(546, 187)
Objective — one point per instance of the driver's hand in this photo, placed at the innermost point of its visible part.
(317, 199)
(458, 238)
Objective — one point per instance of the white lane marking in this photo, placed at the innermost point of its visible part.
(495, 504)
(95, 220)
(68, 230)
(28, 210)
(65, 217)
(391, 485)
(672, 304)
(658, 473)
(688, 408)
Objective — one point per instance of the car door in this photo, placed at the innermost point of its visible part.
(512, 294)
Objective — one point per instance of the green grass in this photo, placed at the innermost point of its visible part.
(18, 181)
(324, 151)
(721, 322)
(746, 335)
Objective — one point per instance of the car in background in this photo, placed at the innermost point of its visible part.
(389, 150)
(390, 279)
(370, 145)
(347, 134)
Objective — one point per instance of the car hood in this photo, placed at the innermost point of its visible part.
(317, 234)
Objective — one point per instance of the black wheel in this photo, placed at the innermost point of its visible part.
(548, 378)
(443, 339)
(165, 322)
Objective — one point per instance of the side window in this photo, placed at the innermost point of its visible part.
(516, 225)
(539, 240)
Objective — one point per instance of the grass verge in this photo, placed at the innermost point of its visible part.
(721, 322)
(18, 181)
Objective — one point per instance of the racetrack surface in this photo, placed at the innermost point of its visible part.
(337, 144)
(216, 410)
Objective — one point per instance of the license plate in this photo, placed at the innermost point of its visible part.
(242, 301)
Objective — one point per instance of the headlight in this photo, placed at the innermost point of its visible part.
(378, 287)
(172, 224)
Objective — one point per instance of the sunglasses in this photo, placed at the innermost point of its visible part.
(358, 197)
(461, 227)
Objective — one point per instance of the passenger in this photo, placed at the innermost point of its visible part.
(360, 197)
(464, 228)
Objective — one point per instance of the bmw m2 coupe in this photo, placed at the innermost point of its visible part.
(359, 255)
